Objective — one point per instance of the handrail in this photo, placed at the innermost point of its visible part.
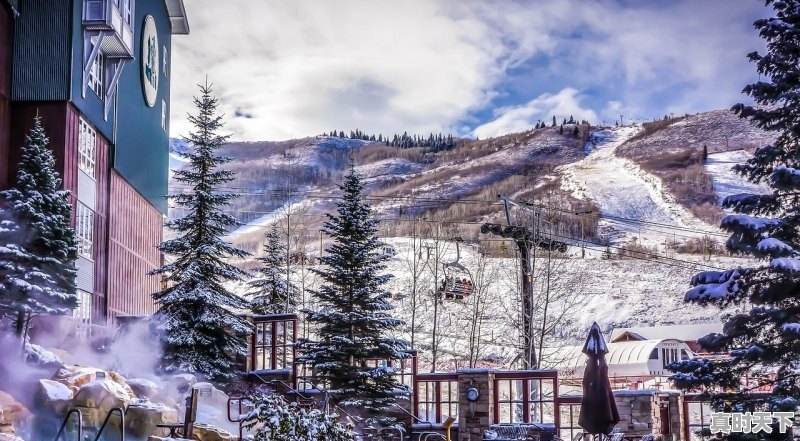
(239, 418)
(419, 420)
(66, 419)
(121, 423)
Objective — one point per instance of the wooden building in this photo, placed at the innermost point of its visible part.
(98, 74)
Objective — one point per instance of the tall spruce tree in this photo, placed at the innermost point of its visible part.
(201, 332)
(271, 292)
(38, 247)
(762, 341)
(353, 321)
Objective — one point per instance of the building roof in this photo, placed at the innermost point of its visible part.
(627, 358)
(177, 15)
(677, 332)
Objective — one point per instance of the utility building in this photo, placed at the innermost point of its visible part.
(98, 74)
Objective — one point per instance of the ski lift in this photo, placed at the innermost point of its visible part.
(457, 282)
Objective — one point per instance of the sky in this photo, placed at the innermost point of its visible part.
(287, 69)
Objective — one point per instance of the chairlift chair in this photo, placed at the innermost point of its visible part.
(458, 282)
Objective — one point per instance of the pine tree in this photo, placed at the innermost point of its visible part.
(38, 247)
(201, 332)
(354, 322)
(705, 153)
(554, 121)
(762, 339)
(272, 292)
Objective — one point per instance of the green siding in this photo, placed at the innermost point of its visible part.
(141, 152)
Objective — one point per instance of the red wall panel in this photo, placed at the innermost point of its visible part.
(6, 29)
(135, 227)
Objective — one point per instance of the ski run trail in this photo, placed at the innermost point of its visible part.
(622, 189)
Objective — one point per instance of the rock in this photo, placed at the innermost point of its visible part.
(75, 376)
(206, 432)
(143, 388)
(212, 407)
(103, 394)
(12, 411)
(39, 356)
(143, 417)
(182, 382)
(9, 437)
(53, 396)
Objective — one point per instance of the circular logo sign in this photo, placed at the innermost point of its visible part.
(149, 60)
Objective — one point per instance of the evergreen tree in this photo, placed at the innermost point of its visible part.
(705, 153)
(272, 292)
(38, 247)
(353, 322)
(201, 332)
(554, 121)
(762, 339)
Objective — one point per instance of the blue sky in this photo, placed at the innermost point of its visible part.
(292, 68)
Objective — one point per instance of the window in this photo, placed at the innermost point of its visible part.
(274, 346)
(84, 230)
(87, 148)
(163, 114)
(654, 354)
(127, 11)
(525, 400)
(437, 400)
(84, 309)
(97, 74)
(684, 354)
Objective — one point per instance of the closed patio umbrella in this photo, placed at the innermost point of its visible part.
(598, 410)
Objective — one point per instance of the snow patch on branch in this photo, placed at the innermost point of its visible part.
(786, 265)
(714, 285)
(752, 223)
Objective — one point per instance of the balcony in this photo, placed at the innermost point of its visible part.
(109, 24)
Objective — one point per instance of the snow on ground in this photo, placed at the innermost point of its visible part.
(620, 188)
(387, 169)
(266, 220)
(613, 293)
(726, 181)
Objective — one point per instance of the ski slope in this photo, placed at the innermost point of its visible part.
(726, 182)
(622, 189)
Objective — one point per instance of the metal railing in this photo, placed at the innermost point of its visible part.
(121, 423)
(66, 420)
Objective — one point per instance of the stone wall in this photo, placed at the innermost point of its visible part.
(475, 417)
(640, 413)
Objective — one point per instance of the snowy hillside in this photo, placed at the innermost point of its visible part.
(726, 181)
(623, 190)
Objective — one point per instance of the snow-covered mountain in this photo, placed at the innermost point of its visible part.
(643, 195)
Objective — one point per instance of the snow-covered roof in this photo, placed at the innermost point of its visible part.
(628, 358)
(677, 332)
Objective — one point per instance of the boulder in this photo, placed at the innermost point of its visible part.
(103, 394)
(143, 417)
(212, 407)
(12, 412)
(143, 388)
(207, 432)
(75, 376)
(9, 437)
(53, 396)
(182, 382)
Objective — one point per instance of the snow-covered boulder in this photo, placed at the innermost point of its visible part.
(207, 432)
(9, 437)
(143, 388)
(39, 356)
(12, 412)
(143, 417)
(182, 382)
(75, 376)
(53, 396)
(103, 394)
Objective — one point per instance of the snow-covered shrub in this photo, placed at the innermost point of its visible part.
(274, 419)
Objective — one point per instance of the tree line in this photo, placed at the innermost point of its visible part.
(435, 142)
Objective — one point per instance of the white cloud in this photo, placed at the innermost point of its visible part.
(519, 118)
(302, 67)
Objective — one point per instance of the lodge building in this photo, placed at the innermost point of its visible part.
(97, 72)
